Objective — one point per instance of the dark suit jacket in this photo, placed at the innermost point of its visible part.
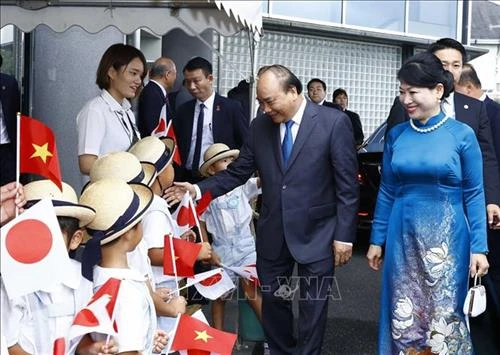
(473, 113)
(229, 126)
(10, 97)
(151, 102)
(493, 109)
(311, 202)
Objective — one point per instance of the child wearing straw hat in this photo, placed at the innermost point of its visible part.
(158, 221)
(228, 219)
(53, 310)
(125, 166)
(115, 231)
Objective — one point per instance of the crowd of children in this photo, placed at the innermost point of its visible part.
(122, 219)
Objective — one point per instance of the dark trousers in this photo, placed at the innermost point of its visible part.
(312, 288)
(7, 163)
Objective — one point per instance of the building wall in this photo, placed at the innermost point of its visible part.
(366, 71)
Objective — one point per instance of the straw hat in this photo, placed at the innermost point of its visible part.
(215, 153)
(65, 202)
(154, 150)
(119, 206)
(124, 166)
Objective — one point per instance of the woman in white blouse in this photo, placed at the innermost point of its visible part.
(106, 123)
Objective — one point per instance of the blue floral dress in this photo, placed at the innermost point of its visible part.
(430, 216)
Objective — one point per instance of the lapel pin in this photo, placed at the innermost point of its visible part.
(217, 108)
(466, 107)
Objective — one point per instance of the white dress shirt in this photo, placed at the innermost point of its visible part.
(208, 137)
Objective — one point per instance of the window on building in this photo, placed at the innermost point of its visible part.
(385, 15)
(433, 18)
(314, 10)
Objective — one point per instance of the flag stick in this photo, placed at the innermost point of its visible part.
(113, 315)
(193, 211)
(18, 155)
(174, 266)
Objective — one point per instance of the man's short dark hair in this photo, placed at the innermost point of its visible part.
(469, 75)
(199, 63)
(284, 75)
(448, 43)
(316, 80)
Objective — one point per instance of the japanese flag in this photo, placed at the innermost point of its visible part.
(248, 272)
(33, 253)
(185, 214)
(160, 130)
(212, 284)
(98, 315)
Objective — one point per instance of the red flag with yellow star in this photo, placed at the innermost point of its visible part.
(185, 255)
(192, 334)
(38, 152)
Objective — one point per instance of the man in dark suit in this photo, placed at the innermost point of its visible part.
(316, 91)
(307, 164)
(205, 120)
(341, 99)
(9, 106)
(469, 111)
(483, 327)
(153, 101)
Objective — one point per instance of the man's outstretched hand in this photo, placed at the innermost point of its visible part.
(175, 192)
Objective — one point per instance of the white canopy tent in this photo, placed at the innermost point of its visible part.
(159, 16)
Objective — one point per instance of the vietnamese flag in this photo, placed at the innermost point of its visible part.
(38, 151)
(171, 134)
(185, 255)
(192, 334)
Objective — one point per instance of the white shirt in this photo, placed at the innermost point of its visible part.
(104, 126)
(297, 120)
(51, 310)
(138, 259)
(156, 223)
(208, 137)
(448, 105)
(134, 309)
(4, 136)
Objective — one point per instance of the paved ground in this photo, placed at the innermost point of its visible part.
(352, 319)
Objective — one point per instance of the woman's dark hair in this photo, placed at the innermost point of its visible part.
(117, 56)
(426, 70)
(338, 92)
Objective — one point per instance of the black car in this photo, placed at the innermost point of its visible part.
(370, 162)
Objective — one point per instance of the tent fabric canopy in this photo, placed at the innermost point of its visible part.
(158, 16)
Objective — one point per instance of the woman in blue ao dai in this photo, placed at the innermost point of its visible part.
(430, 216)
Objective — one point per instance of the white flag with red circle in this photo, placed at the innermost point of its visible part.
(212, 284)
(248, 272)
(185, 214)
(160, 130)
(33, 253)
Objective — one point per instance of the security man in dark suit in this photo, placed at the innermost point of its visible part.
(10, 104)
(471, 112)
(307, 164)
(205, 120)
